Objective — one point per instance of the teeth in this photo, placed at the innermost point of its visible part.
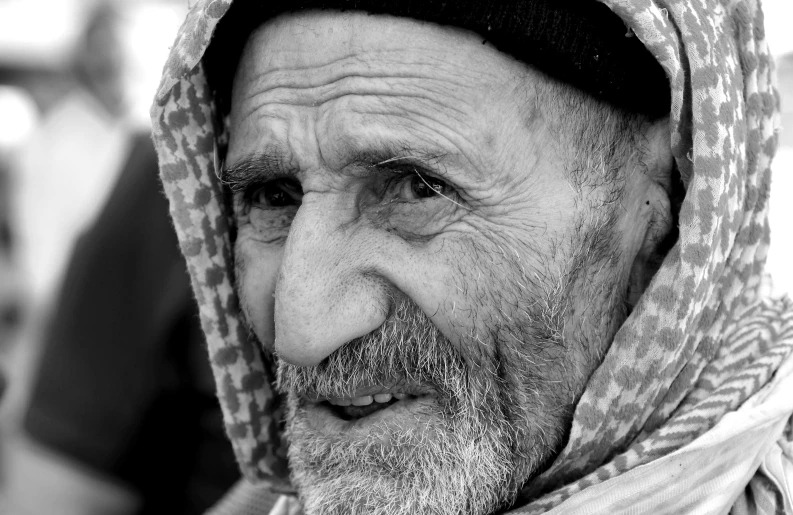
(382, 397)
(362, 401)
(366, 400)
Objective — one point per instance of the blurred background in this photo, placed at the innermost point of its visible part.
(109, 406)
(87, 257)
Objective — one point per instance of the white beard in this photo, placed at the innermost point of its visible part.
(464, 468)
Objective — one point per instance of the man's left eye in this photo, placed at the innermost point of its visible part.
(423, 187)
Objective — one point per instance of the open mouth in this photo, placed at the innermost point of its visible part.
(352, 408)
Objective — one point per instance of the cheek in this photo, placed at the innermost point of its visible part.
(504, 295)
(455, 289)
(257, 272)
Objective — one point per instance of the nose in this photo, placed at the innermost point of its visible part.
(328, 290)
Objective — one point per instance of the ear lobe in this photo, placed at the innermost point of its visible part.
(655, 245)
(656, 210)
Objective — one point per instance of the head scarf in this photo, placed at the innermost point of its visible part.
(699, 343)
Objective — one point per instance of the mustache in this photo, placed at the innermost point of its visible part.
(408, 349)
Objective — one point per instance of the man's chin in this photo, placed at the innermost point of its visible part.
(405, 458)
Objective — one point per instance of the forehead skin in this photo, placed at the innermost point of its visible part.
(360, 81)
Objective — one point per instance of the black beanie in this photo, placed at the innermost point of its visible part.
(580, 42)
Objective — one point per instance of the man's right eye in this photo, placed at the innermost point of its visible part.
(274, 194)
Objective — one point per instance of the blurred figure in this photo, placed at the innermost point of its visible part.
(10, 310)
(123, 390)
(17, 117)
(100, 60)
(122, 416)
(73, 158)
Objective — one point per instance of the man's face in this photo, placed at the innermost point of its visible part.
(436, 290)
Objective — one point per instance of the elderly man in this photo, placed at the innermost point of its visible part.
(483, 256)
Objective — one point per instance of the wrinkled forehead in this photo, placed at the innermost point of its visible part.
(374, 85)
(581, 43)
(320, 46)
(319, 50)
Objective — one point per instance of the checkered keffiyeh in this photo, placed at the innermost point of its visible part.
(701, 342)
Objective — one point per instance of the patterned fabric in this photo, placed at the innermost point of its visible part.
(702, 339)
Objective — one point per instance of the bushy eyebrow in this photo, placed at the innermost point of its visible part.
(264, 166)
(253, 169)
(398, 156)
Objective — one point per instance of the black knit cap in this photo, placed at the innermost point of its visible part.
(580, 42)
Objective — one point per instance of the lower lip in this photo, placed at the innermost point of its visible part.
(405, 413)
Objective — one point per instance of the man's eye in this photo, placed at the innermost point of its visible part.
(275, 193)
(422, 186)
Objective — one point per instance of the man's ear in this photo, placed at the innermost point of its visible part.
(655, 175)
(657, 155)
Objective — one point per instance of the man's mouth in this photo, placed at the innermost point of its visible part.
(355, 407)
(349, 408)
(373, 408)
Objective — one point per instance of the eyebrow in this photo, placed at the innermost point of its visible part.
(401, 155)
(264, 166)
(253, 169)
